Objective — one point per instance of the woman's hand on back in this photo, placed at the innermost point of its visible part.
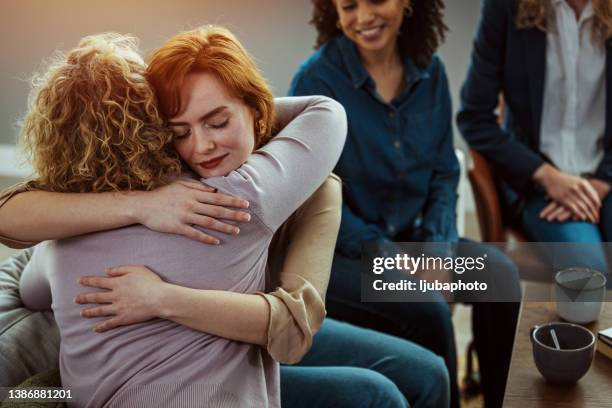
(133, 294)
(180, 206)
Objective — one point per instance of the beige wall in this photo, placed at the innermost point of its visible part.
(275, 31)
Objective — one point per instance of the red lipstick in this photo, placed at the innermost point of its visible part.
(212, 163)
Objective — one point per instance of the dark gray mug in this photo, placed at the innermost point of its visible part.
(572, 361)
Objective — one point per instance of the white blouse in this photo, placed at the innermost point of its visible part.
(573, 115)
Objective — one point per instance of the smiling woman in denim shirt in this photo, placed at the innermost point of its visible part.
(400, 172)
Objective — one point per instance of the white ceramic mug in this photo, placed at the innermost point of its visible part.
(580, 294)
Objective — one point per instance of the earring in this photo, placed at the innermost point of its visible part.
(408, 10)
(260, 127)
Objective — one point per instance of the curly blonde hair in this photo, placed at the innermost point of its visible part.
(534, 14)
(93, 123)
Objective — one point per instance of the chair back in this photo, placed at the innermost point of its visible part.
(488, 206)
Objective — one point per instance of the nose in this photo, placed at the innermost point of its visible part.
(364, 13)
(203, 143)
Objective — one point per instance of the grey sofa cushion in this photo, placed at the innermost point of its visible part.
(29, 341)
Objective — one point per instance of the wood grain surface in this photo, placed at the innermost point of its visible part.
(527, 388)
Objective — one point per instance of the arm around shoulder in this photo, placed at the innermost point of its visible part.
(28, 215)
(288, 169)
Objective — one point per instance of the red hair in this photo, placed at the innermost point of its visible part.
(215, 50)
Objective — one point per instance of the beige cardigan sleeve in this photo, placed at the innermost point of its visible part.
(300, 262)
(6, 195)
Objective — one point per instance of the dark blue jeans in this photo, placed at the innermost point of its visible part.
(429, 323)
(349, 366)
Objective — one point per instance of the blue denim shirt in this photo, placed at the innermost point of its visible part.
(398, 167)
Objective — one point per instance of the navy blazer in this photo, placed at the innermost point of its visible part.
(512, 61)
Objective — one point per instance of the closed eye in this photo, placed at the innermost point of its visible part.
(218, 125)
(178, 135)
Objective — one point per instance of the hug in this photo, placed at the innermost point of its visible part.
(191, 240)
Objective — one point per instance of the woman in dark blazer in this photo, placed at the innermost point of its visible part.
(551, 62)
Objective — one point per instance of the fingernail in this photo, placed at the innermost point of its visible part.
(247, 217)
(214, 190)
(247, 204)
(236, 231)
(76, 300)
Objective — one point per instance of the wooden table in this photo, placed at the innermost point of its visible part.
(527, 388)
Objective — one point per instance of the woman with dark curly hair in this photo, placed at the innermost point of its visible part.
(400, 172)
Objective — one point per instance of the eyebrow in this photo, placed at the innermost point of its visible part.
(204, 117)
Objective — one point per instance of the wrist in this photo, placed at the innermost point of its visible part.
(602, 187)
(163, 304)
(543, 174)
(131, 206)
